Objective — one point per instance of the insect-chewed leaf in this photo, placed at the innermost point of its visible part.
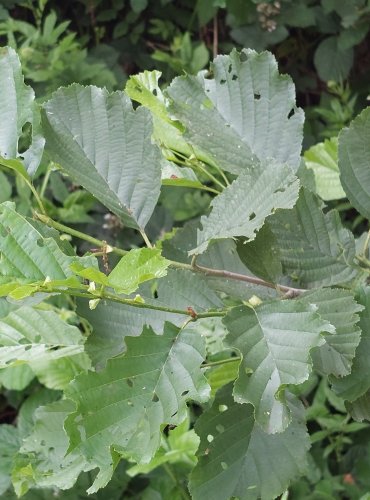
(354, 157)
(124, 406)
(315, 249)
(237, 459)
(275, 340)
(340, 309)
(9, 445)
(241, 209)
(18, 108)
(243, 111)
(105, 145)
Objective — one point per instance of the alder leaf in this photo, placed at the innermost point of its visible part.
(241, 209)
(315, 249)
(34, 257)
(357, 383)
(138, 266)
(339, 308)
(32, 336)
(123, 407)
(354, 157)
(274, 340)
(18, 108)
(105, 145)
(242, 111)
(322, 160)
(236, 459)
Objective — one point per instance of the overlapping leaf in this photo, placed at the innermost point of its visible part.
(29, 254)
(237, 459)
(275, 340)
(354, 157)
(105, 145)
(322, 159)
(9, 445)
(340, 309)
(357, 383)
(17, 109)
(29, 335)
(241, 209)
(315, 249)
(124, 406)
(242, 112)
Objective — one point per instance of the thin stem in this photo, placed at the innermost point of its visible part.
(221, 362)
(199, 165)
(45, 182)
(366, 244)
(78, 234)
(221, 273)
(145, 238)
(215, 36)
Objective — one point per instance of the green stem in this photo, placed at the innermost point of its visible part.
(221, 362)
(366, 244)
(45, 182)
(145, 238)
(78, 234)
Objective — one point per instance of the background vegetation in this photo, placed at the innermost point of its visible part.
(323, 44)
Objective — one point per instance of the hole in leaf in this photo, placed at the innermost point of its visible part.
(155, 398)
(243, 57)
(257, 96)
(40, 242)
(129, 382)
(234, 78)
(224, 465)
(252, 216)
(42, 442)
(174, 414)
(130, 403)
(210, 438)
(25, 140)
(279, 190)
(155, 92)
(291, 113)
(230, 68)
(28, 347)
(223, 81)
(184, 393)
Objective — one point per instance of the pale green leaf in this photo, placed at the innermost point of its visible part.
(105, 145)
(354, 385)
(331, 62)
(29, 335)
(236, 459)
(340, 309)
(322, 159)
(354, 157)
(9, 445)
(222, 375)
(315, 249)
(243, 111)
(124, 406)
(138, 266)
(34, 257)
(274, 340)
(360, 408)
(17, 103)
(241, 209)
(16, 377)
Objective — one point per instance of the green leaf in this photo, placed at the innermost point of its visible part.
(42, 460)
(315, 249)
(241, 209)
(354, 157)
(360, 408)
(340, 309)
(34, 257)
(29, 335)
(331, 62)
(243, 112)
(17, 109)
(322, 159)
(5, 188)
(16, 377)
(357, 383)
(105, 145)
(9, 445)
(123, 407)
(261, 255)
(236, 459)
(222, 375)
(274, 340)
(138, 266)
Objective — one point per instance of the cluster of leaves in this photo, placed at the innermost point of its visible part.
(228, 322)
